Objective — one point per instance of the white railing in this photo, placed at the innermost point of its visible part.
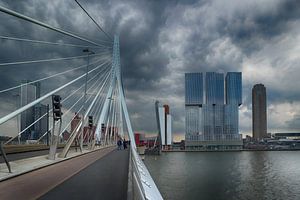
(142, 185)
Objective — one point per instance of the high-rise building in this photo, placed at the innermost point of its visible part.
(193, 89)
(259, 112)
(29, 93)
(193, 103)
(34, 121)
(214, 88)
(233, 86)
(213, 110)
(42, 121)
(214, 124)
(165, 124)
(193, 120)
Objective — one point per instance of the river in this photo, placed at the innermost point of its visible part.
(244, 175)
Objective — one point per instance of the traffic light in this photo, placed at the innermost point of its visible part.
(56, 105)
(90, 121)
(102, 128)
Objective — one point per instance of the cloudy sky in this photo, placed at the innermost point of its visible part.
(162, 40)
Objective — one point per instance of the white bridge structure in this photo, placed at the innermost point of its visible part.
(93, 88)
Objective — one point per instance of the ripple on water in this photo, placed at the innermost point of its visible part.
(227, 175)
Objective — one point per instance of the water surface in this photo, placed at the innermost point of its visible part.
(227, 175)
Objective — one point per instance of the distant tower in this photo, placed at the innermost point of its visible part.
(36, 114)
(213, 123)
(213, 109)
(193, 103)
(165, 126)
(29, 93)
(233, 86)
(259, 111)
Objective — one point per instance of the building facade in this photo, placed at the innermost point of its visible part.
(214, 88)
(259, 112)
(213, 124)
(41, 117)
(193, 89)
(193, 103)
(165, 124)
(233, 87)
(32, 123)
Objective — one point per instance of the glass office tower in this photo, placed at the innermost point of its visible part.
(214, 105)
(193, 104)
(215, 123)
(214, 88)
(29, 93)
(233, 84)
(193, 89)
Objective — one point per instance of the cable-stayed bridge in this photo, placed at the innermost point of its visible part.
(75, 124)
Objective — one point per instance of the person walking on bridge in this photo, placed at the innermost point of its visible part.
(124, 144)
(119, 143)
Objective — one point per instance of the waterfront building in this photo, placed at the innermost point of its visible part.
(193, 89)
(165, 124)
(193, 103)
(259, 112)
(287, 136)
(214, 88)
(41, 125)
(233, 85)
(193, 120)
(213, 124)
(29, 93)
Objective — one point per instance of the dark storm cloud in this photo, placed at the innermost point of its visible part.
(160, 41)
(248, 31)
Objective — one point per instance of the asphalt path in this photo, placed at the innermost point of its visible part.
(34, 184)
(104, 179)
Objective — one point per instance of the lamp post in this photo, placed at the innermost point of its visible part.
(85, 89)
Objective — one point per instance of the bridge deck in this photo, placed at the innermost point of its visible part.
(105, 179)
(90, 176)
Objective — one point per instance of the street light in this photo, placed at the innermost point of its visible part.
(85, 87)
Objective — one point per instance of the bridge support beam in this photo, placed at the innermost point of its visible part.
(70, 141)
(54, 140)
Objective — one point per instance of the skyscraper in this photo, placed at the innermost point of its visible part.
(33, 124)
(233, 85)
(193, 89)
(41, 126)
(165, 124)
(259, 111)
(213, 110)
(214, 88)
(214, 124)
(28, 94)
(193, 103)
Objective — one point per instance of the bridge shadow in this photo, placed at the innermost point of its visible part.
(104, 179)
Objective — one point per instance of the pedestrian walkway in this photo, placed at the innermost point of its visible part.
(25, 165)
(106, 178)
(34, 184)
